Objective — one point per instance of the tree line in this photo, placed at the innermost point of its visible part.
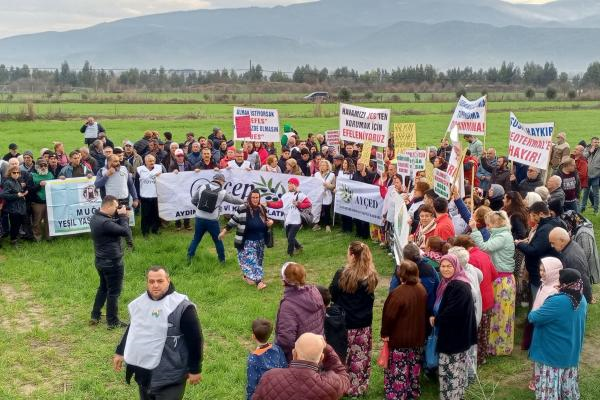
(531, 74)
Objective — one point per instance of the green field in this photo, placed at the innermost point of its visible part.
(46, 290)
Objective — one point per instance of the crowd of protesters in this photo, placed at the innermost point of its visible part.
(517, 237)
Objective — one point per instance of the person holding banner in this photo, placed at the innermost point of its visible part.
(353, 289)
(362, 175)
(346, 172)
(38, 199)
(560, 150)
(251, 223)
(146, 176)
(292, 203)
(475, 146)
(14, 193)
(327, 177)
(208, 199)
(271, 165)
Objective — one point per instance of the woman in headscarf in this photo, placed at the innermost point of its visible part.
(496, 197)
(456, 326)
(251, 223)
(559, 327)
(403, 327)
(301, 309)
(353, 289)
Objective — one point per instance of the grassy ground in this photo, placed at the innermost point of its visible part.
(46, 290)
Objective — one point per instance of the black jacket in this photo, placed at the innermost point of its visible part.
(106, 234)
(538, 248)
(455, 321)
(526, 185)
(573, 256)
(358, 306)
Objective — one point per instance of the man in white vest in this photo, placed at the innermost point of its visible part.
(146, 176)
(91, 130)
(163, 344)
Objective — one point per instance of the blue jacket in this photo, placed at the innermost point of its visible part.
(429, 279)
(259, 362)
(558, 332)
(484, 184)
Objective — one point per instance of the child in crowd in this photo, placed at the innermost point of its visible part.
(266, 356)
(336, 334)
(435, 249)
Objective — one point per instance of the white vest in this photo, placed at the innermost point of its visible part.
(148, 329)
(148, 181)
(233, 165)
(116, 185)
(91, 131)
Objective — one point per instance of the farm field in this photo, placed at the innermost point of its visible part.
(46, 290)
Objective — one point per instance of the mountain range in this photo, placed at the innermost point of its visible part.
(358, 33)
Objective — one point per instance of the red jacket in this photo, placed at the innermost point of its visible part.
(444, 227)
(582, 170)
(302, 380)
(481, 260)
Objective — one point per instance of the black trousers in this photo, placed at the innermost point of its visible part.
(89, 141)
(346, 223)
(325, 215)
(290, 233)
(16, 220)
(150, 219)
(171, 392)
(129, 238)
(362, 229)
(110, 273)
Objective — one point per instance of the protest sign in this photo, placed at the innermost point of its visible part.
(405, 137)
(418, 158)
(380, 162)
(359, 200)
(365, 154)
(255, 125)
(403, 165)
(441, 183)
(359, 124)
(175, 191)
(71, 203)
(401, 229)
(470, 116)
(530, 144)
(332, 138)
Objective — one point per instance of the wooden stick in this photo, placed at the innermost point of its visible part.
(472, 188)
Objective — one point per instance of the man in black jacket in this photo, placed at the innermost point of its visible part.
(107, 226)
(533, 180)
(572, 256)
(539, 245)
(162, 360)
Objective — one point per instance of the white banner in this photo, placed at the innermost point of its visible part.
(401, 229)
(255, 124)
(359, 200)
(455, 165)
(530, 144)
(360, 124)
(469, 116)
(175, 191)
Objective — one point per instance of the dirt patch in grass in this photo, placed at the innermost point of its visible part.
(28, 314)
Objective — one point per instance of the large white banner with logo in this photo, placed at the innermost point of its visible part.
(71, 203)
(359, 200)
(175, 191)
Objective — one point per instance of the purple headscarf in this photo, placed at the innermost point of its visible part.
(459, 274)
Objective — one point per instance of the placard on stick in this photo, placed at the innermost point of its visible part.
(405, 137)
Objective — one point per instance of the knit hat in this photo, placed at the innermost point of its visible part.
(294, 181)
(219, 177)
(287, 128)
(498, 191)
(28, 153)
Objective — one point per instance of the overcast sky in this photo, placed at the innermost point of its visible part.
(29, 16)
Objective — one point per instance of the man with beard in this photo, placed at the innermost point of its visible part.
(131, 156)
(88, 161)
(75, 169)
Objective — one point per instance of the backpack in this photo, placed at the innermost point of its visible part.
(573, 220)
(208, 199)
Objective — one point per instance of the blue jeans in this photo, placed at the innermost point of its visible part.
(594, 187)
(212, 227)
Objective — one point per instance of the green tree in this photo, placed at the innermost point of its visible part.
(345, 94)
(551, 93)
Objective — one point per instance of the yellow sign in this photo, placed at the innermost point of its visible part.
(429, 172)
(405, 137)
(365, 155)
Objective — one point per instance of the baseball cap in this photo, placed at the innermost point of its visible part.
(294, 181)
(12, 146)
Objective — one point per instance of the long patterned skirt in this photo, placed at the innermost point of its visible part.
(483, 335)
(555, 383)
(452, 372)
(502, 320)
(521, 286)
(401, 378)
(251, 259)
(358, 361)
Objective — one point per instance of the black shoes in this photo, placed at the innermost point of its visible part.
(119, 324)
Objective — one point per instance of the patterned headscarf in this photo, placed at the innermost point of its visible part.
(459, 274)
(571, 285)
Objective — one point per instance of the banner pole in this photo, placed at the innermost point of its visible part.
(472, 188)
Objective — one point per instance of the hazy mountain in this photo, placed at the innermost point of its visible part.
(329, 33)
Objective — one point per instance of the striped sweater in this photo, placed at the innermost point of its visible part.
(238, 221)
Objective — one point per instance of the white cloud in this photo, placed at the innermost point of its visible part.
(20, 17)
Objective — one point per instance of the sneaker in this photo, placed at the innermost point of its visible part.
(119, 324)
(94, 321)
(316, 228)
(188, 228)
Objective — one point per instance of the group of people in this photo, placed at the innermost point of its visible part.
(469, 261)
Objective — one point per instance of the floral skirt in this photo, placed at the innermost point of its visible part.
(401, 378)
(555, 383)
(358, 360)
(452, 371)
(251, 259)
(483, 334)
(502, 320)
